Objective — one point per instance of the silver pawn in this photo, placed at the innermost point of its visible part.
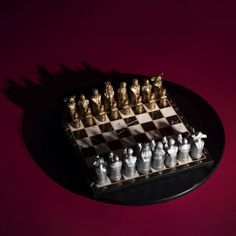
(125, 152)
(197, 145)
(144, 162)
(171, 154)
(138, 150)
(165, 142)
(152, 145)
(100, 171)
(129, 163)
(158, 156)
(183, 151)
(115, 169)
(111, 156)
(179, 139)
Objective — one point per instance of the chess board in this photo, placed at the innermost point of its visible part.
(127, 131)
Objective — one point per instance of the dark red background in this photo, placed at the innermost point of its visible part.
(192, 42)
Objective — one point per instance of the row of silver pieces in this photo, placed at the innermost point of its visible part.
(156, 155)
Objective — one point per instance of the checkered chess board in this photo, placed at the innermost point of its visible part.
(127, 131)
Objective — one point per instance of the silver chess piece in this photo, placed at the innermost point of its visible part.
(152, 145)
(144, 162)
(138, 150)
(124, 153)
(165, 142)
(130, 163)
(197, 145)
(158, 156)
(100, 171)
(115, 169)
(179, 139)
(183, 151)
(171, 154)
(111, 156)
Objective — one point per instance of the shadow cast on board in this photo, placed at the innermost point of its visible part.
(41, 126)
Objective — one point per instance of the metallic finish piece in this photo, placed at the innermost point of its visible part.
(183, 152)
(179, 139)
(163, 98)
(114, 112)
(83, 105)
(139, 105)
(126, 110)
(76, 121)
(144, 162)
(165, 142)
(96, 100)
(171, 154)
(152, 145)
(135, 92)
(197, 145)
(138, 150)
(158, 157)
(89, 121)
(130, 163)
(109, 96)
(115, 169)
(139, 108)
(102, 114)
(70, 106)
(146, 91)
(152, 103)
(157, 85)
(122, 95)
(100, 171)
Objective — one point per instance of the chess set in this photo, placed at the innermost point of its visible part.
(131, 134)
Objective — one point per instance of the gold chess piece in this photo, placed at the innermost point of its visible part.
(146, 91)
(71, 105)
(152, 102)
(109, 96)
(102, 114)
(157, 85)
(114, 112)
(163, 98)
(139, 106)
(96, 100)
(83, 105)
(89, 118)
(135, 92)
(75, 121)
(123, 100)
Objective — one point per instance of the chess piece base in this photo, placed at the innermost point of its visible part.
(139, 108)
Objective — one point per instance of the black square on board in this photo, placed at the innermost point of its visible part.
(97, 139)
(131, 121)
(79, 134)
(167, 131)
(173, 120)
(122, 133)
(106, 127)
(115, 144)
(156, 114)
(89, 151)
(148, 126)
(159, 104)
(141, 138)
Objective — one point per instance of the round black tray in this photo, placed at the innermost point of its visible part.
(46, 141)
